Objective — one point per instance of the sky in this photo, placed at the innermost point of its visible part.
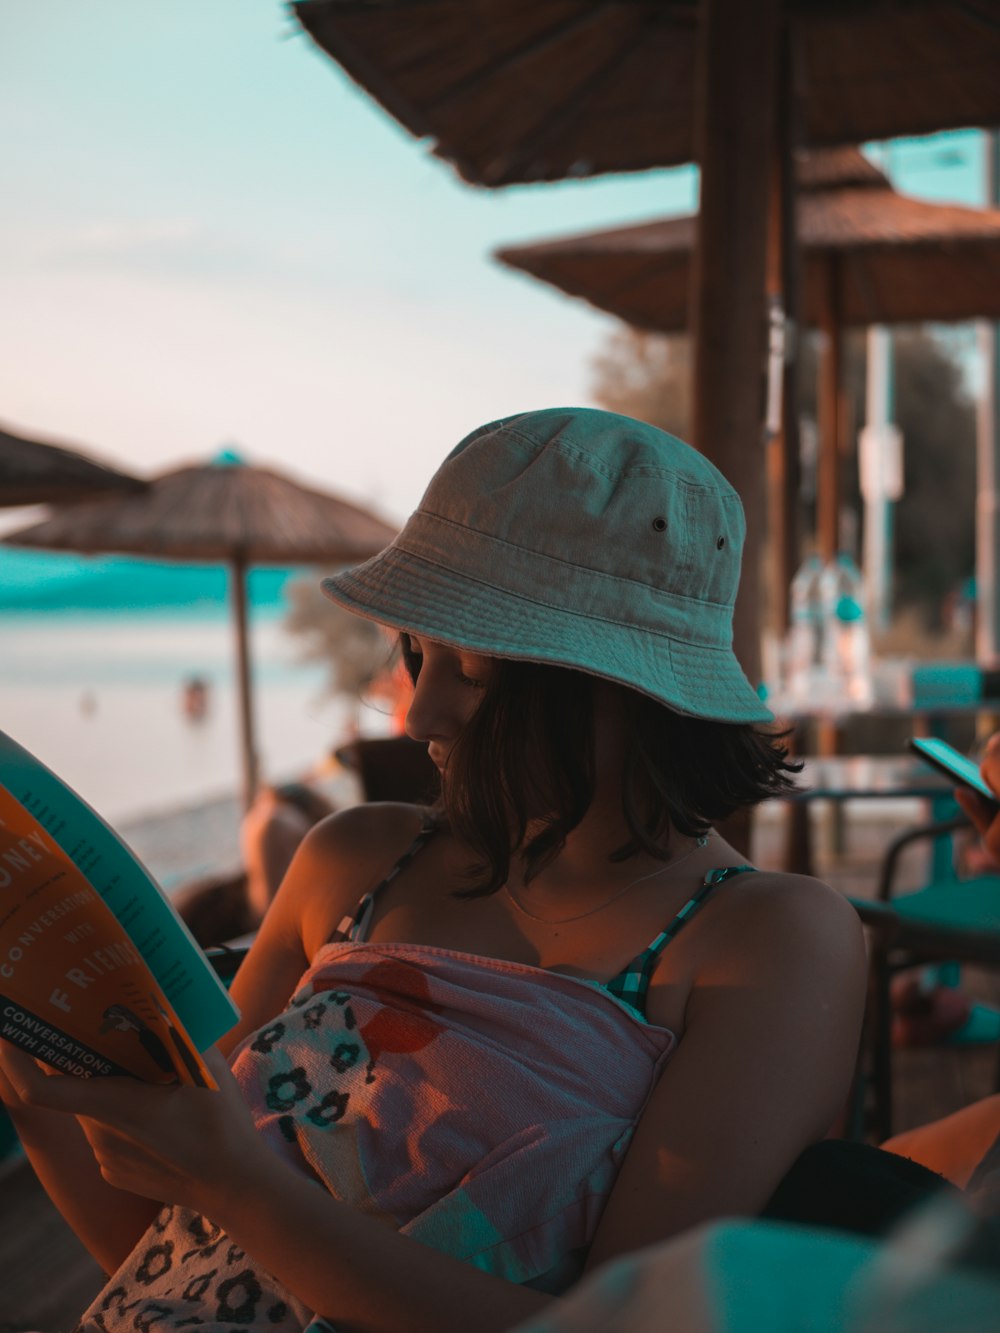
(212, 238)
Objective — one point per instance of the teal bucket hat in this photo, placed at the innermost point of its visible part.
(579, 538)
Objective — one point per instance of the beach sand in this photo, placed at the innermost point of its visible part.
(184, 843)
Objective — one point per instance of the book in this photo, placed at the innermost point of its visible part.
(98, 974)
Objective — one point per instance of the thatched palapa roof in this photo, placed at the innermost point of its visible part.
(227, 512)
(530, 90)
(213, 512)
(897, 259)
(33, 472)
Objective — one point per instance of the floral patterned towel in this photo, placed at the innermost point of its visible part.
(480, 1106)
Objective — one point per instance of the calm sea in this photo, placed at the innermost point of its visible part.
(94, 659)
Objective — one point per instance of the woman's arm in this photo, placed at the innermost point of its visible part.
(358, 1272)
(200, 1149)
(954, 1145)
(339, 860)
(773, 1020)
(771, 1034)
(108, 1221)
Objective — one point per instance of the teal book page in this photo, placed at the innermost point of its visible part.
(137, 901)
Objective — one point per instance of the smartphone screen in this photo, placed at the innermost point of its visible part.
(945, 757)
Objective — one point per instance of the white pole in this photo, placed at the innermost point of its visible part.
(988, 458)
(876, 484)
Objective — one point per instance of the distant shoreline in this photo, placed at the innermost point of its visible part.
(102, 702)
(185, 842)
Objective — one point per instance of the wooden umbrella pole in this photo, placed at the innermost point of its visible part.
(239, 570)
(783, 467)
(735, 115)
(736, 98)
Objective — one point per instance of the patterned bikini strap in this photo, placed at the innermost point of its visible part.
(634, 983)
(711, 881)
(354, 926)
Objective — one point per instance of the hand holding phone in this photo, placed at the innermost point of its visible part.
(963, 771)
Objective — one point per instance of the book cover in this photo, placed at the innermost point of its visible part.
(98, 974)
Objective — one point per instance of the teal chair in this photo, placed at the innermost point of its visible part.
(949, 921)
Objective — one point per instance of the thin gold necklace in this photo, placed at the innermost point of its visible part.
(592, 911)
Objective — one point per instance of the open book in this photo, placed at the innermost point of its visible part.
(98, 974)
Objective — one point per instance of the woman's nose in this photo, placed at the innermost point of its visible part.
(429, 717)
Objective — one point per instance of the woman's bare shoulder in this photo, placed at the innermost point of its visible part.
(774, 975)
(779, 885)
(346, 854)
(800, 894)
(373, 831)
(340, 859)
(791, 900)
(769, 913)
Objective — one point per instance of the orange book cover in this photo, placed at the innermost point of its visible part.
(76, 989)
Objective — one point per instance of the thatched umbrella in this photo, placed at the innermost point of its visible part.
(35, 473)
(514, 91)
(895, 258)
(869, 256)
(225, 512)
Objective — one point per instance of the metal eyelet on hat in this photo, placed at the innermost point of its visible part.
(659, 524)
(720, 543)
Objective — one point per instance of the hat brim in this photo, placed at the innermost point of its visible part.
(408, 592)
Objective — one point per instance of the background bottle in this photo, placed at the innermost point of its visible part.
(846, 640)
(803, 656)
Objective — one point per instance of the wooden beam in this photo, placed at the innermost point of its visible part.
(783, 287)
(736, 97)
(238, 591)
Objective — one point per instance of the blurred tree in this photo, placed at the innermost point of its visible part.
(358, 653)
(647, 375)
(935, 521)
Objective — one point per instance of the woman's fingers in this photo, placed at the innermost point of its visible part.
(990, 763)
(118, 1101)
(984, 816)
(179, 1144)
(8, 1092)
(147, 1112)
(58, 1092)
(976, 807)
(18, 1069)
(20, 1072)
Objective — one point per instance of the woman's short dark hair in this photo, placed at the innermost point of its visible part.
(527, 757)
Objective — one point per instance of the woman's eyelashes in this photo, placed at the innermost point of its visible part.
(414, 654)
(412, 659)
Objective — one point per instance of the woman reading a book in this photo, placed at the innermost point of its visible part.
(556, 1018)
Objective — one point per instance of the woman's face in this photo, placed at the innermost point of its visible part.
(447, 691)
